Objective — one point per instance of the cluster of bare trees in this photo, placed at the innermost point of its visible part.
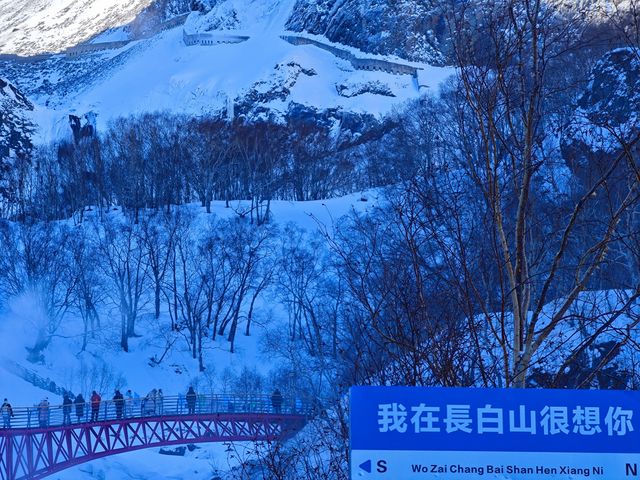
(154, 161)
(206, 278)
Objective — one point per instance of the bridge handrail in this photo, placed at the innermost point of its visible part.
(144, 407)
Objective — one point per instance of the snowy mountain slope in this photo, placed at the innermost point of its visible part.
(243, 15)
(163, 74)
(29, 27)
(607, 111)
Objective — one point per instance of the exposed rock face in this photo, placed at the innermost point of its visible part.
(608, 110)
(613, 94)
(360, 88)
(15, 125)
(410, 29)
(606, 127)
(15, 133)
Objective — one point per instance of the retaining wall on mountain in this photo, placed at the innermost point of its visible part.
(174, 22)
(301, 40)
(358, 63)
(212, 38)
(20, 59)
(95, 47)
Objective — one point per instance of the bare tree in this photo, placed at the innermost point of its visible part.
(210, 153)
(124, 265)
(87, 296)
(503, 110)
(261, 150)
(157, 236)
(189, 295)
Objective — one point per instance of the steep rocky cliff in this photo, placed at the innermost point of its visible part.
(608, 113)
(410, 29)
(15, 125)
(16, 130)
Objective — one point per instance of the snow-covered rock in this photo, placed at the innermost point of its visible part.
(16, 126)
(607, 113)
(410, 29)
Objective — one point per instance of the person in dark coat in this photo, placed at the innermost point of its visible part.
(95, 405)
(66, 409)
(276, 401)
(118, 402)
(191, 401)
(7, 413)
(79, 403)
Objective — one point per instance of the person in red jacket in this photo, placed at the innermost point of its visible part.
(95, 405)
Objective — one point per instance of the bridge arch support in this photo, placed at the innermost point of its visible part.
(35, 453)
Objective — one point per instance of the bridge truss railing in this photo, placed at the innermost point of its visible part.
(54, 415)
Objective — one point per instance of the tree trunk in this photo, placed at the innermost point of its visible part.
(157, 299)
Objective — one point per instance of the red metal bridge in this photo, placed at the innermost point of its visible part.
(43, 440)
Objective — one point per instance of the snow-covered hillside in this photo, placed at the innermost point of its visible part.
(162, 73)
(28, 27)
(244, 15)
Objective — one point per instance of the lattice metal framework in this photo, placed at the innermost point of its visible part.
(33, 453)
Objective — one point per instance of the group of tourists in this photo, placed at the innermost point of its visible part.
(125, 406)
(152, 403)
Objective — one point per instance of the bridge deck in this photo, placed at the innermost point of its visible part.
(53, 415)
(42, 441)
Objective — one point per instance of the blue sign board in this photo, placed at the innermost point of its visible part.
(458, 433)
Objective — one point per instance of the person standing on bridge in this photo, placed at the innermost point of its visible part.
(276, 401)
(128, 404)
(79, 403)
(43, 412)
(181, 403)
(191, 401)
(95, 405)
(118, 402)
(137, 403)
(160, 401)
(66, 409)
(149, 403)
(7, 413)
